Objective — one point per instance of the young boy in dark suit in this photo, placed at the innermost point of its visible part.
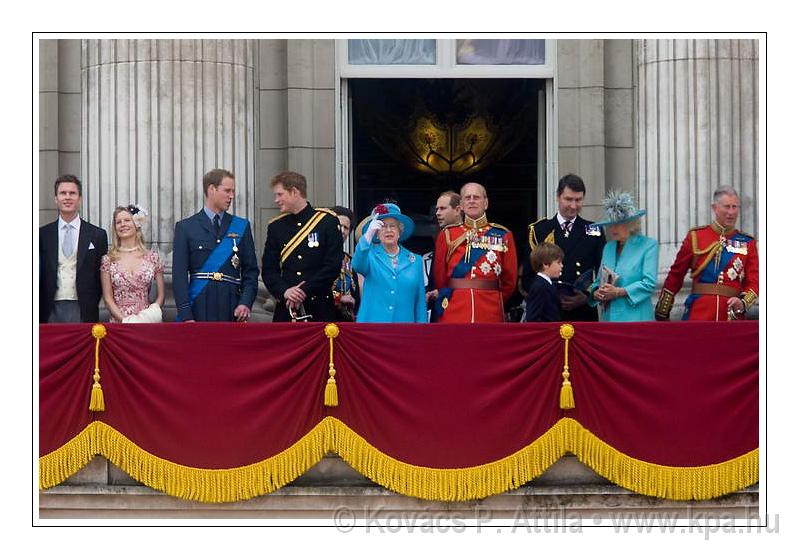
(542, 303)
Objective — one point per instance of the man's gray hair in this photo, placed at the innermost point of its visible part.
(723, 190)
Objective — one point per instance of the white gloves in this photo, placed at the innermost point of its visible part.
(372, 229)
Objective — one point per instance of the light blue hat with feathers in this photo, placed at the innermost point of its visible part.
(619, 207)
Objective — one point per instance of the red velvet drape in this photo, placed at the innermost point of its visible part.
(220, 395)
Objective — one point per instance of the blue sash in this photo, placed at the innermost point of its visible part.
(460, 271)
(218, 256)
(711, 272)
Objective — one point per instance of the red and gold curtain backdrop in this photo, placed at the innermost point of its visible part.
(216, 412)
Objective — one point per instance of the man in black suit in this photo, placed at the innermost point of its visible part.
(70, 250)
(302, 255)
(214, 265)
(582, 243)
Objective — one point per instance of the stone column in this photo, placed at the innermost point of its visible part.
(158, 114)
(697, 130)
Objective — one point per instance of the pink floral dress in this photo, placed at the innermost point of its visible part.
(132, 289)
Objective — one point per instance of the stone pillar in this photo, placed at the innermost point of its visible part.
(59, 117)
(581, 119)
(158, 114)
(697, 130)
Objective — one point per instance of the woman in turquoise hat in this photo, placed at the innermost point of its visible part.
(394, 287)
(629, 268)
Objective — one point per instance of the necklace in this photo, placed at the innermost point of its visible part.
(393, 258)
(126, 250)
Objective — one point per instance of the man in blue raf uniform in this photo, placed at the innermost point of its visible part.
(303, 254)
(214, 265)
(582, 243)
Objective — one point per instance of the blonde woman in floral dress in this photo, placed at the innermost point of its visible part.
(129, 269)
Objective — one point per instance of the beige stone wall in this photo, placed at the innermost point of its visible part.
(59, 117)
(296, 109)
(595, 81)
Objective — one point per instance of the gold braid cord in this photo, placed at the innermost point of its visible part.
(331, 392)
(471, 483)
(97, 402)
(567, 399)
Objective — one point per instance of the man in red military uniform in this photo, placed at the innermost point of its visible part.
(724, 265)
(475, 264)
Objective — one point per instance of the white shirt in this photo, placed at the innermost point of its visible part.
(76, 224)
(546, 277)
(561, 219)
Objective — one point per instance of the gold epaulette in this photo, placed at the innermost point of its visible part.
(278, 217)
(532, 241)
(498, 226)
(328, 211)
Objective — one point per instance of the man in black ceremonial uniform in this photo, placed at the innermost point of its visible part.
(582, 243)
(302, 255)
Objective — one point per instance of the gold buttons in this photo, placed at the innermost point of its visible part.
(300, 257)
(299, 273)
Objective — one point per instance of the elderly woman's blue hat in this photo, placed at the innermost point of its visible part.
(619, 208)
(389, 210)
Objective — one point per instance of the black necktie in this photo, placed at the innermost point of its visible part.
(216, 225)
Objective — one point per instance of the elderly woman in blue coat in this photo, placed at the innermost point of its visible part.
(630, 255)
(394, 286)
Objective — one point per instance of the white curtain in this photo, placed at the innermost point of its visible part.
(500, 51)
(391, 51)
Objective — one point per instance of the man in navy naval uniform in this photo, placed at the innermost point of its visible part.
(214, 265)
(582, 243)
(302, 255)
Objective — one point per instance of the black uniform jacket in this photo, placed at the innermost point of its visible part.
(316, 261)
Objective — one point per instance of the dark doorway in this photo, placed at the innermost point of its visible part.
(414, 138)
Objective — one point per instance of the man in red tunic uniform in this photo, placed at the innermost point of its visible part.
(724, 265)
(475, 264)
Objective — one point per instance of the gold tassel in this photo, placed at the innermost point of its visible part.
(331, 392)
(567, 399)
(97, 402)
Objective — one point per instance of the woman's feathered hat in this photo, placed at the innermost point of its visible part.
(138, 214)
(618, 208)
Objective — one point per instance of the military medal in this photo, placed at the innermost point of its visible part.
(313, 240)
(235, 258)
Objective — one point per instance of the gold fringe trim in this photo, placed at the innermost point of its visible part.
(470, 483)
(450, 485)
(203, 485)
(649, 479)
